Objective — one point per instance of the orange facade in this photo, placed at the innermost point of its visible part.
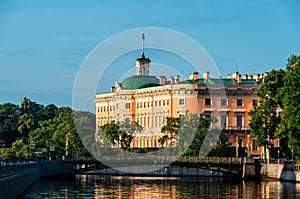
(149, 100)
(228, 102)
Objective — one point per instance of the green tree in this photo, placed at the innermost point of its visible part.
(30, 114)
(162, 140)
(20, 149)
(201, 132)
(85, 125)
(171, 127)
(8, 122)
(116, 135)
(130, 127)
(221, 147)
(54, 132)
(264, 117)
(187, 132)
(289, 127)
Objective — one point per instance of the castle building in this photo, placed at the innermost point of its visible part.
(149, 100)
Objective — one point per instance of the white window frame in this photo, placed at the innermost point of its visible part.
(237, 103)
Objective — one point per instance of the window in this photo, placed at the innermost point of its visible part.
(254, 146)
(239, 103)
(167, 102)
(224, 102)
(164, 102)
(159, 121)
(148, 104)
(254, 102)
(128, 105)
(223, 121)
(207, 114)
(239, 121)
(208, 102)
(137, 105)
(181, 102)
(144, 104)
(155, 103)
(240, 142)
(159, 103)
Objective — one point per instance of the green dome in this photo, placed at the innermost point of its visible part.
(139, 81)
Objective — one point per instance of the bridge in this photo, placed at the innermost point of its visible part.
(229, 165)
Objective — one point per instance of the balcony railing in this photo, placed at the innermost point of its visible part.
(243, 128)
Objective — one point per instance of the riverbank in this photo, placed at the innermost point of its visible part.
(280, 172)
(16, 178)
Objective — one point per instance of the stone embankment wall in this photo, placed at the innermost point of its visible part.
(281, 172)
(56, 168)
(15, 178)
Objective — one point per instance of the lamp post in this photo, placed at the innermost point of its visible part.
(237, 146)
(68, 135)
(248, 145)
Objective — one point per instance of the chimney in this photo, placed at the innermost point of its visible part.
(245, 76)
(206, 75)
(251, 76)
(162, 80)
(172, 80)
(236, 75)
(239, 79)
(113, 89)
(258, 78)
(177, 79)
(195, 76)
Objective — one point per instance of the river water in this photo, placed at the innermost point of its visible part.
(93, 186)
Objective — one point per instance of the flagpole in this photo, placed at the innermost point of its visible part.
(143, 39)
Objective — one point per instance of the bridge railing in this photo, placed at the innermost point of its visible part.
(223, 160)
(181, 159)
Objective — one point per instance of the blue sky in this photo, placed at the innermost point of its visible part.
(43, 43)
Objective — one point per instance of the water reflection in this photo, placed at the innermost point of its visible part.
(88, 186)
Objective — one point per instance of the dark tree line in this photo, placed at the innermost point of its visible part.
(44, 127)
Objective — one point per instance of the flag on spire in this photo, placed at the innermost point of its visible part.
(143, 36)
(143, 39)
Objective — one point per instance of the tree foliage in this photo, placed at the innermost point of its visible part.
(120, 133)
(289, 127)
(8, 123)
(186, 135)
(264, 117)
(280, 90)
(45, 127)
